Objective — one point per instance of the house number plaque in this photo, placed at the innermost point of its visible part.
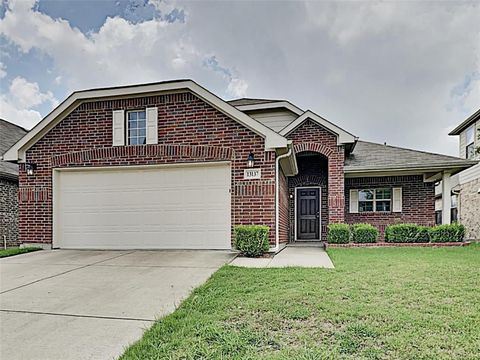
(250, 174)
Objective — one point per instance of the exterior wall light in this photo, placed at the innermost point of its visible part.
(30, 168)
(250, 160)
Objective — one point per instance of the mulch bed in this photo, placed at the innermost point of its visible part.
(385, 244)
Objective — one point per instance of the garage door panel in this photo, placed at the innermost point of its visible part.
(93, 220)
(168, 207)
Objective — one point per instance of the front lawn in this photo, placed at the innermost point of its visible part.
(384, 303)
(16, 251)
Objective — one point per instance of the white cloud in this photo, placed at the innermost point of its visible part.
(19, 104)
(26, 118)
(120, 52)
(28, 95)
(3, 70)
(237, 87)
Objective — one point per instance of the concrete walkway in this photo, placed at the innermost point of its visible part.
(82, 304)
(303, 256)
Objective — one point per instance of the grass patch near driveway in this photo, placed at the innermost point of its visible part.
(16, 251)
(382, 303)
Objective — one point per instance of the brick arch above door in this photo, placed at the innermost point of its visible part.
(313, 147)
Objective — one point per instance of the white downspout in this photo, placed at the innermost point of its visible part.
(277, 196)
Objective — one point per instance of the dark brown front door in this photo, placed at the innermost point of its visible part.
(308, 214)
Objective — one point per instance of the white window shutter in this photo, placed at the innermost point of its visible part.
(118, 126)
(152, 125)
(354, 201)
(397, 199)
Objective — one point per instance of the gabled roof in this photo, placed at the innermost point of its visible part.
(251, 101)
(9, 135)
(372, 157)
(469, 121)
(17, 152)
(343, 137)
(265, 104)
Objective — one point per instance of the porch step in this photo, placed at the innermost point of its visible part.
(307, 244)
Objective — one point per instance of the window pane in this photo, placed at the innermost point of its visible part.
(470, 151)
(364, 206)
(470, 135)
(384, 194)
(454, 201)
(454, 215)
(365, 195)
(383, 205)
(136, 127)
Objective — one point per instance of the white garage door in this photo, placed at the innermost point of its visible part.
(171, 207)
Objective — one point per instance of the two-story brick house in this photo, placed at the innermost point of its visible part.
(466, 184)
(171, 165)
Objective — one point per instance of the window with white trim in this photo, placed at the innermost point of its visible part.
(470, 142)
(136, 127)
(375, 200)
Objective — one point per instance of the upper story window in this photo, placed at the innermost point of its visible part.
(136, 127)
(374, 200)
(470, 142)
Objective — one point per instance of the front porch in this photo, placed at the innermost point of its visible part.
(311, 206)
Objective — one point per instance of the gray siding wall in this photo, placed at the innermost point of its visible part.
(463, 140)
(275, 119)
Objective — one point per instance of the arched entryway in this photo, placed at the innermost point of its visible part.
(308, 194)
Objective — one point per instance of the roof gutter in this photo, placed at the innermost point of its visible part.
(469, 121)
(450, 167)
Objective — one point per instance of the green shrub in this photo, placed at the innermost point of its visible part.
(423, 235)
(252, 240)
(406, 233)
(364, 233)
(447, 233)
(338, 234)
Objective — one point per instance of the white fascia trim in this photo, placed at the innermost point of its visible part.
(272, 105)
(343, 137)
(17, 152)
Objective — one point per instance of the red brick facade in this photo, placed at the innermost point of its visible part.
(189, 131)
(418, 201)
(312, 138)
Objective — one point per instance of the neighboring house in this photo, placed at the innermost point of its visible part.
(171, 165)
(466, 184)
(9, 135)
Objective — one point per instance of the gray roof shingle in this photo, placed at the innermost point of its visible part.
(9, 135)
(249, 101)
(372, 156)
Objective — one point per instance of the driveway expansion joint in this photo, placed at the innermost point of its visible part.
(65, 272)
(76, 315)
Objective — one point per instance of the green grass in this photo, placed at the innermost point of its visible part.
(16, 251)
(384, 303)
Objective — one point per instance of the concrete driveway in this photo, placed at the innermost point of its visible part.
(82, 304)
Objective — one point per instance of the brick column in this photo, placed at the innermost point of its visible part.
(336, 187)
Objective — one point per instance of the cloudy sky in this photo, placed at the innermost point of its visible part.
(404, 72)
